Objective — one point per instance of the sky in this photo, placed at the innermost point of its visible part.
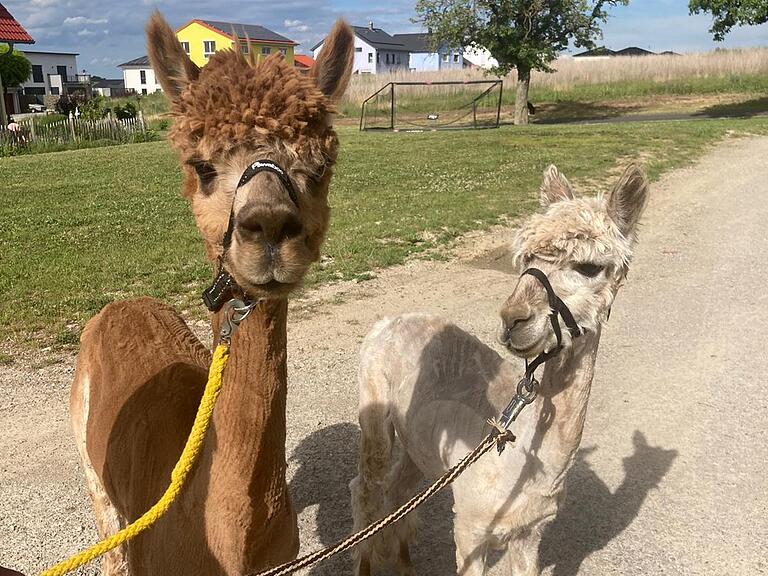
(109, 32)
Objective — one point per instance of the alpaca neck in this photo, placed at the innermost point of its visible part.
(565, 388)
(241, 476)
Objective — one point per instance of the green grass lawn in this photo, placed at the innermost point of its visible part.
(81, 228)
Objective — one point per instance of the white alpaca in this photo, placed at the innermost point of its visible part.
(432, 386)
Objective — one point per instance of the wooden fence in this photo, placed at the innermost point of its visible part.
(73, 130)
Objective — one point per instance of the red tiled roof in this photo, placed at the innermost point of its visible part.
(12, 31)
(303, 60)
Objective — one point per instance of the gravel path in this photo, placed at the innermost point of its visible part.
(671, 478)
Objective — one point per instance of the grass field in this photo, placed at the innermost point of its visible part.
(79, 229)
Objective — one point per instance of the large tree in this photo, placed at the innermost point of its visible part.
(520, 34)
(14, 67)
(730, 13)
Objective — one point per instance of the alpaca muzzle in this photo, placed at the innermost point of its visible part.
(224, 286)
(528, 387)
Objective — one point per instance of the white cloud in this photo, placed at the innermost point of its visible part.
(80, 20)
(85, 33)
(296, 25)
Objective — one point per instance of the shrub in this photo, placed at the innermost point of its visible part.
(68, 103)
(125, 111)
(94, 109)
(161, 125)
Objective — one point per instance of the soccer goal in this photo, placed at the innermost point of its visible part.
(422, 106)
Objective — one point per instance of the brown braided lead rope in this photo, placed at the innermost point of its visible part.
(498, 437)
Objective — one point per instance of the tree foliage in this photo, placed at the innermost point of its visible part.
(522, 34)
(730, 13)
(14, 67)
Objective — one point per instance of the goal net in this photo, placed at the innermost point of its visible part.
(419, 106)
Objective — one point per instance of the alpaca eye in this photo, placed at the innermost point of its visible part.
(588, 269)
(207, 174)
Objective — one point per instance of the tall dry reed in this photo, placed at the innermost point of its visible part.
(572, 72)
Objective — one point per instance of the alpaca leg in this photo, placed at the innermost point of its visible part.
(402, 483)
(108, 519)
(471, 548)
(369, 501)
(522, 554)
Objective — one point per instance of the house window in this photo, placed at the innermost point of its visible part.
(37, 73)
(455, 58)
(358, 48)
(370, 57)
(143, 76)
(209, 47)
(387, 57)
(266, 50)
(244, 47)
(445, 57)
(55, 90)
(185, 46)
(378, 57)
(284, 51)
(144, 91)
(398, 58)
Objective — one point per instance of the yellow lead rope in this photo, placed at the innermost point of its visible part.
(178, 476)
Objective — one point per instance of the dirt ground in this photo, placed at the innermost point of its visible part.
(671, 477)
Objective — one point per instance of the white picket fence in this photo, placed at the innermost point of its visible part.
(73, 130)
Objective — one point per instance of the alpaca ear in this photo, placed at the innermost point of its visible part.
(626, 202)
(334, 64)
(554, 188)
(173, 68)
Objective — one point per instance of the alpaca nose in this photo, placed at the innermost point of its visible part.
(514, 314)
(272, 224)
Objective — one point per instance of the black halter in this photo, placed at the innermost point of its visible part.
(557, 309)
(528, 387)
(223, 286)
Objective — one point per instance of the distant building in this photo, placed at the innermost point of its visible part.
(303, 63)
(599, 53)
(376, 52)
(477, 57)
(138, 76)
(634, 51)
(202, 38)
(52, 72)
(11, 32)
(107, 87)
(602, 53)
(423, 57)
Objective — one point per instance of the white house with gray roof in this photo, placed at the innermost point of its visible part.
(376, 51)
(139, 77)
(425, 57)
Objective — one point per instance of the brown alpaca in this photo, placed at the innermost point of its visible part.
(141, 372)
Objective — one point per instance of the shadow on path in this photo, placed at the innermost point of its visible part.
(592, 515)
(748, 109)
(327, 462)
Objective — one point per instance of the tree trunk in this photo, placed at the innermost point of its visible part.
(521, 96)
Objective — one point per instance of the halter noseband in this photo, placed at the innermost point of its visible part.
(223, 286)
(528, 387)
(557, 309)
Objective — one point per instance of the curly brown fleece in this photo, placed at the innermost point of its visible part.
(234, 101)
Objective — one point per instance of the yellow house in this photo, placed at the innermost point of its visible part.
(201, 38)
